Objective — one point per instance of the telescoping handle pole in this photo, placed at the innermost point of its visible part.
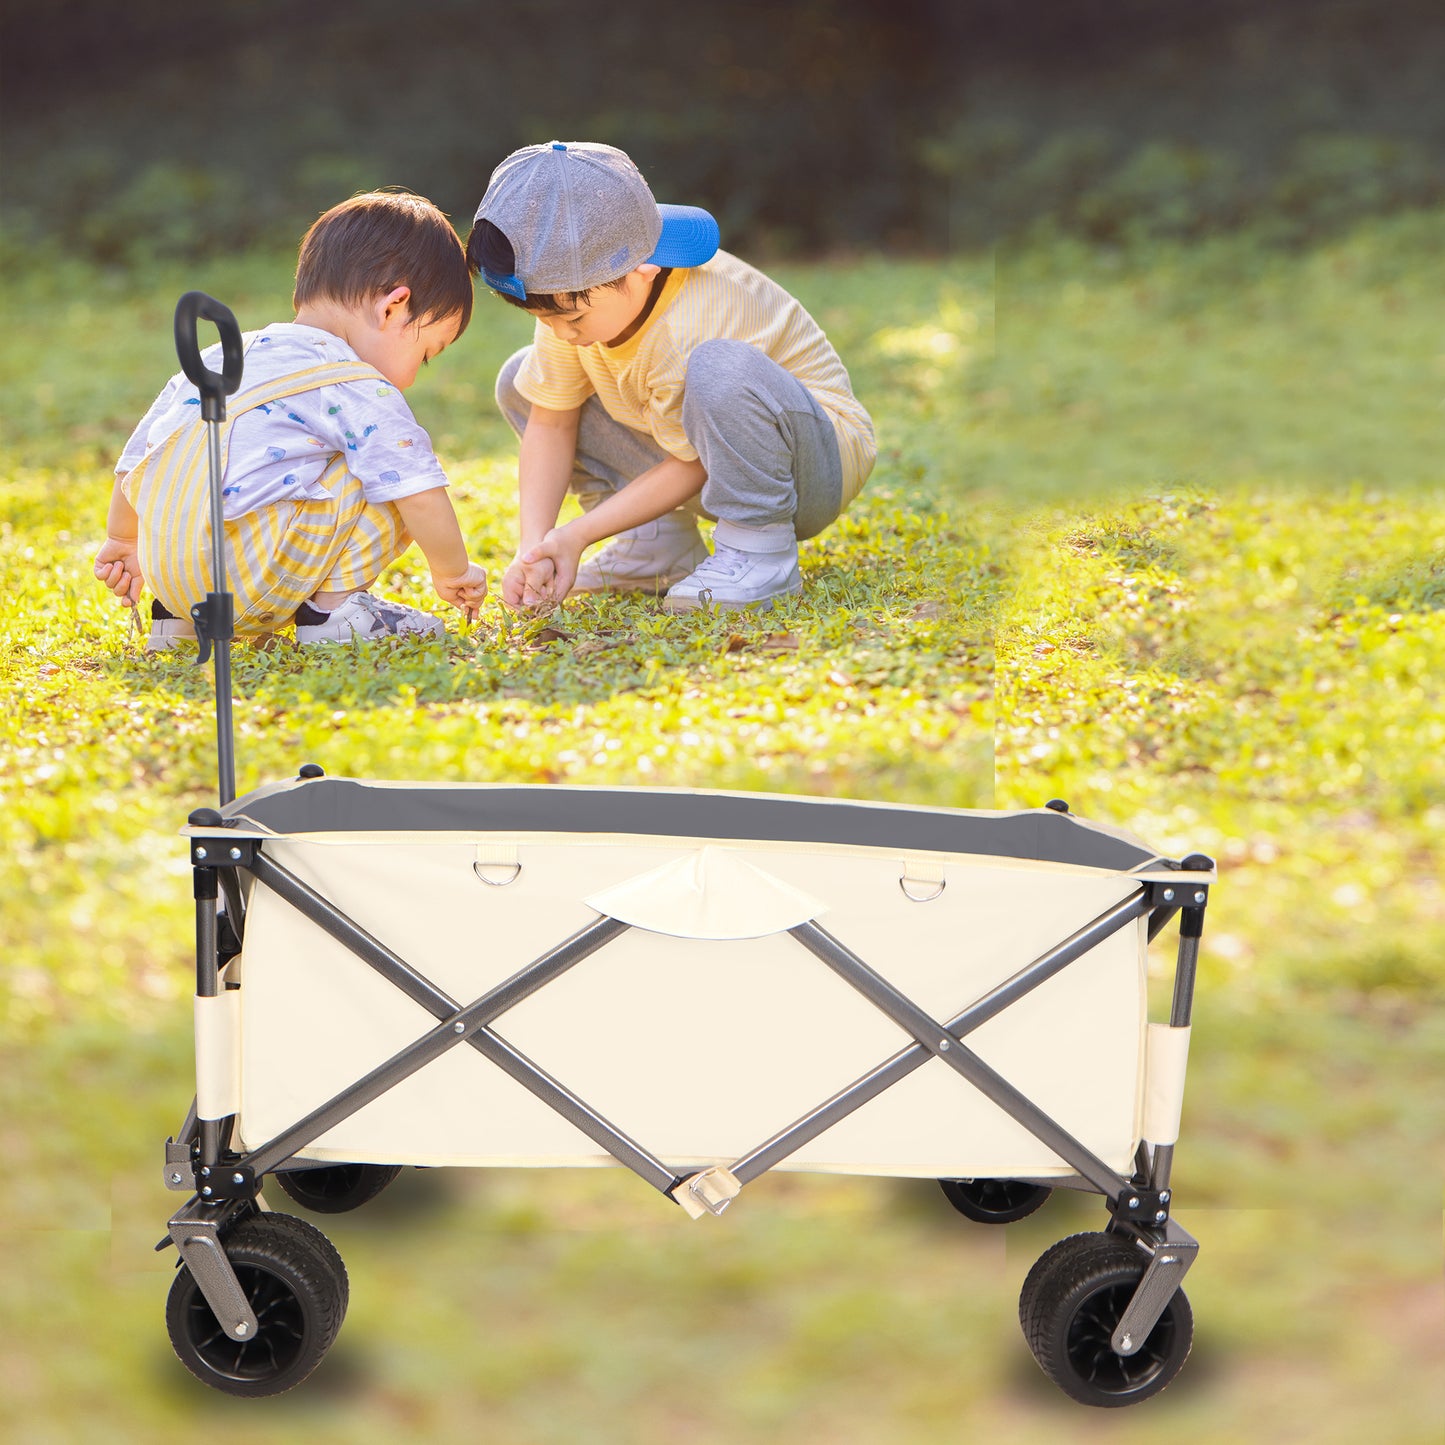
(214, 618)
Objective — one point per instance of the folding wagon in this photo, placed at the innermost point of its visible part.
(698, 986)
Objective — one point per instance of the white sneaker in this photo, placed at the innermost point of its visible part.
(649, 558)
(369, 618)
(731, 579)
(166, 632)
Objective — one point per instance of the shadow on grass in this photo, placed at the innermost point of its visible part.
(344, 1374)
(1208, 1367)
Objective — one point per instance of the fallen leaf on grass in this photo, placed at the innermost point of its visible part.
(779, 642)
(774, 642)
(591, 646)
(926, 610)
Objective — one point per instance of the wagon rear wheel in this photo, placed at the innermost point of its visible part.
(337, 1188)
(292, 1289)
(1070, 1305)
(994, 1201)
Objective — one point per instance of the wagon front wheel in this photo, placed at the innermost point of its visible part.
(994, 1201)
(337, 1188)
(1069, 1317)
(294, 1293)
(304, 1229)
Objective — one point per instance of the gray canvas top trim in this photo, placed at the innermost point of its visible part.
(343, 805)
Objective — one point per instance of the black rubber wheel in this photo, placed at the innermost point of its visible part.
(994, 1201)
(1072, 1300)
(304, 1229)
(1043, 1266)
(336, 1188)
(291, 1287)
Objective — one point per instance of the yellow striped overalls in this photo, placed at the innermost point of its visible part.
(278, 556)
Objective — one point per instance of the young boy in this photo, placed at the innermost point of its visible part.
(327, 476)
(666, 379)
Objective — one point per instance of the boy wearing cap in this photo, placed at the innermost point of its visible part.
(666, 380)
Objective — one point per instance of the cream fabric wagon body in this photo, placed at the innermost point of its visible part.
(705, 1028)
(700, 987)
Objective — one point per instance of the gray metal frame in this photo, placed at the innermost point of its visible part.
(196, 1232)
(196, 1227)
(1169, 1260)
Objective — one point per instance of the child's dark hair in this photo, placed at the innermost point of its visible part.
(371, 244)
(488, 249)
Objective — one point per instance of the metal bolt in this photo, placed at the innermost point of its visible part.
(206, 1171)
(1127, 1342)
(235, 852)
(1169, 895)
(459, 1028)
(1199, 896)
(175, 1178)
(243, 1328)
(207, 1192)
(1164, 1197)
(1133, 1201)
(943, 1046)
(200, 852)
(1160, 1216)
(238, 1179)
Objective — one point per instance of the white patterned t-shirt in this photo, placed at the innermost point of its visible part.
(278, 451)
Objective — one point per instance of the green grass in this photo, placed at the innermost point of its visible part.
(1123, 546)
(1257, 676)
(1225, 362)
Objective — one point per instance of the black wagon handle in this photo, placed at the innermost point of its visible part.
(191, 309)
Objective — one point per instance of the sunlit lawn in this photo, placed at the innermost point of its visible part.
(1127, 552)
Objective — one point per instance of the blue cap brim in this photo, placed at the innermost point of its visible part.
(689, 237)
(509, 285)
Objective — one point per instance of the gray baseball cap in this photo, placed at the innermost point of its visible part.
(578, 214)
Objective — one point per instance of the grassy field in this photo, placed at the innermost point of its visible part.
(1125, 545)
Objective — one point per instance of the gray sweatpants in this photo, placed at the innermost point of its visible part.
(769, 449)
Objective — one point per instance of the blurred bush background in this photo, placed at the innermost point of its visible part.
(154, 129)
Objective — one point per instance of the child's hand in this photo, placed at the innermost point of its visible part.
(117, 564)
(466, 592)
(563, 550)
(528, 584)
